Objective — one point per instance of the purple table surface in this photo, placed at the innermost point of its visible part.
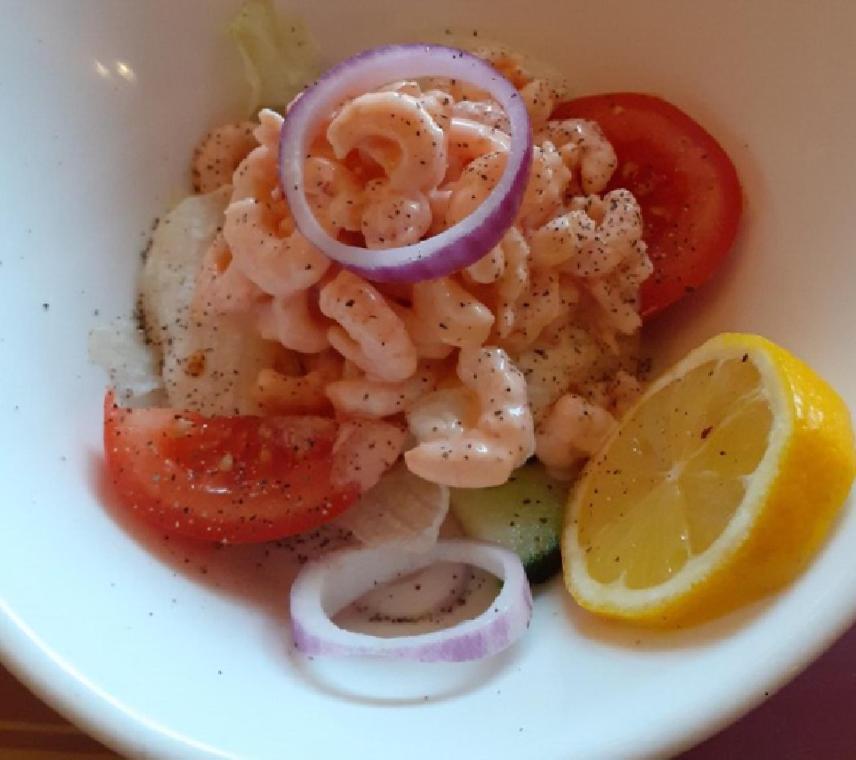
(812, 718)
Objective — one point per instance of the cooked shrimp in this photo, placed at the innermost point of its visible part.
(404, 86)
(554, 298)
(439, 104)
(218, 155)
(548, 180)
(268, 131)
(584, 148)
(623, 391)
(436, 102)
(364, 397)
(562, 238)
(443, 414)
(585, 248)
(617, 292)
(421, 333)
(438, 200)
(221, 288)
(329, 363)
(476, 182)
(469, 140)
(277, 393)
(619, 303)
(449, 314)
(364, 450)
(487, 112)
(334, 194)
(293, 323)
(371, 335)
(616, 238)
(509, 64)
(257, 176)
(617, 394)
(350, 371)
(559, 360)
(502, 437)
(456, 89)
(540, 99)
(489, 268)
(514, 280)
(374, 121)
(298, 388)
(535, 309)
(280, 266)
(392, 218)
(592, 204)
(573, 430)
(570, 296)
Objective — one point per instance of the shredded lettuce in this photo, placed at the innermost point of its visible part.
(279, 54)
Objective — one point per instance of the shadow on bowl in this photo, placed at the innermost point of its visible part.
(623, 635)
(254, 575)
(259, 577)
(398, 683)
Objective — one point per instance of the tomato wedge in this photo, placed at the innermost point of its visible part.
(684, 181)
(230, 479)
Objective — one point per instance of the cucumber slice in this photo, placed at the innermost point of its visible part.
(524, 515)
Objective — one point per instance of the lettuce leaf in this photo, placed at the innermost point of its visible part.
(279, 55)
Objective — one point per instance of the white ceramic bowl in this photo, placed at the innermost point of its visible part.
(103, 102)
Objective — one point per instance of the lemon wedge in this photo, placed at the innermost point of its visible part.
(716, 489)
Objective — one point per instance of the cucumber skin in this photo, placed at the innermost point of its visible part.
(543, 567)
(484, 513)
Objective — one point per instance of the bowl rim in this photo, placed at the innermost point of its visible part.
(60, 683)
(118, 726)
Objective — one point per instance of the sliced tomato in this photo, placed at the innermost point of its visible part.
(684, 181)
(236, 479)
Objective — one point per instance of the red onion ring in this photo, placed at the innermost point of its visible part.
(452, 249)
(326, 586)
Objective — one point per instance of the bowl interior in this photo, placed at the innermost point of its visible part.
(167, 648)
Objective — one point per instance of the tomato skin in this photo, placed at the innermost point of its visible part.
(686, 185)
(226, 479)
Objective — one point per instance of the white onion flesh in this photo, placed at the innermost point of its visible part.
(326, 586)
